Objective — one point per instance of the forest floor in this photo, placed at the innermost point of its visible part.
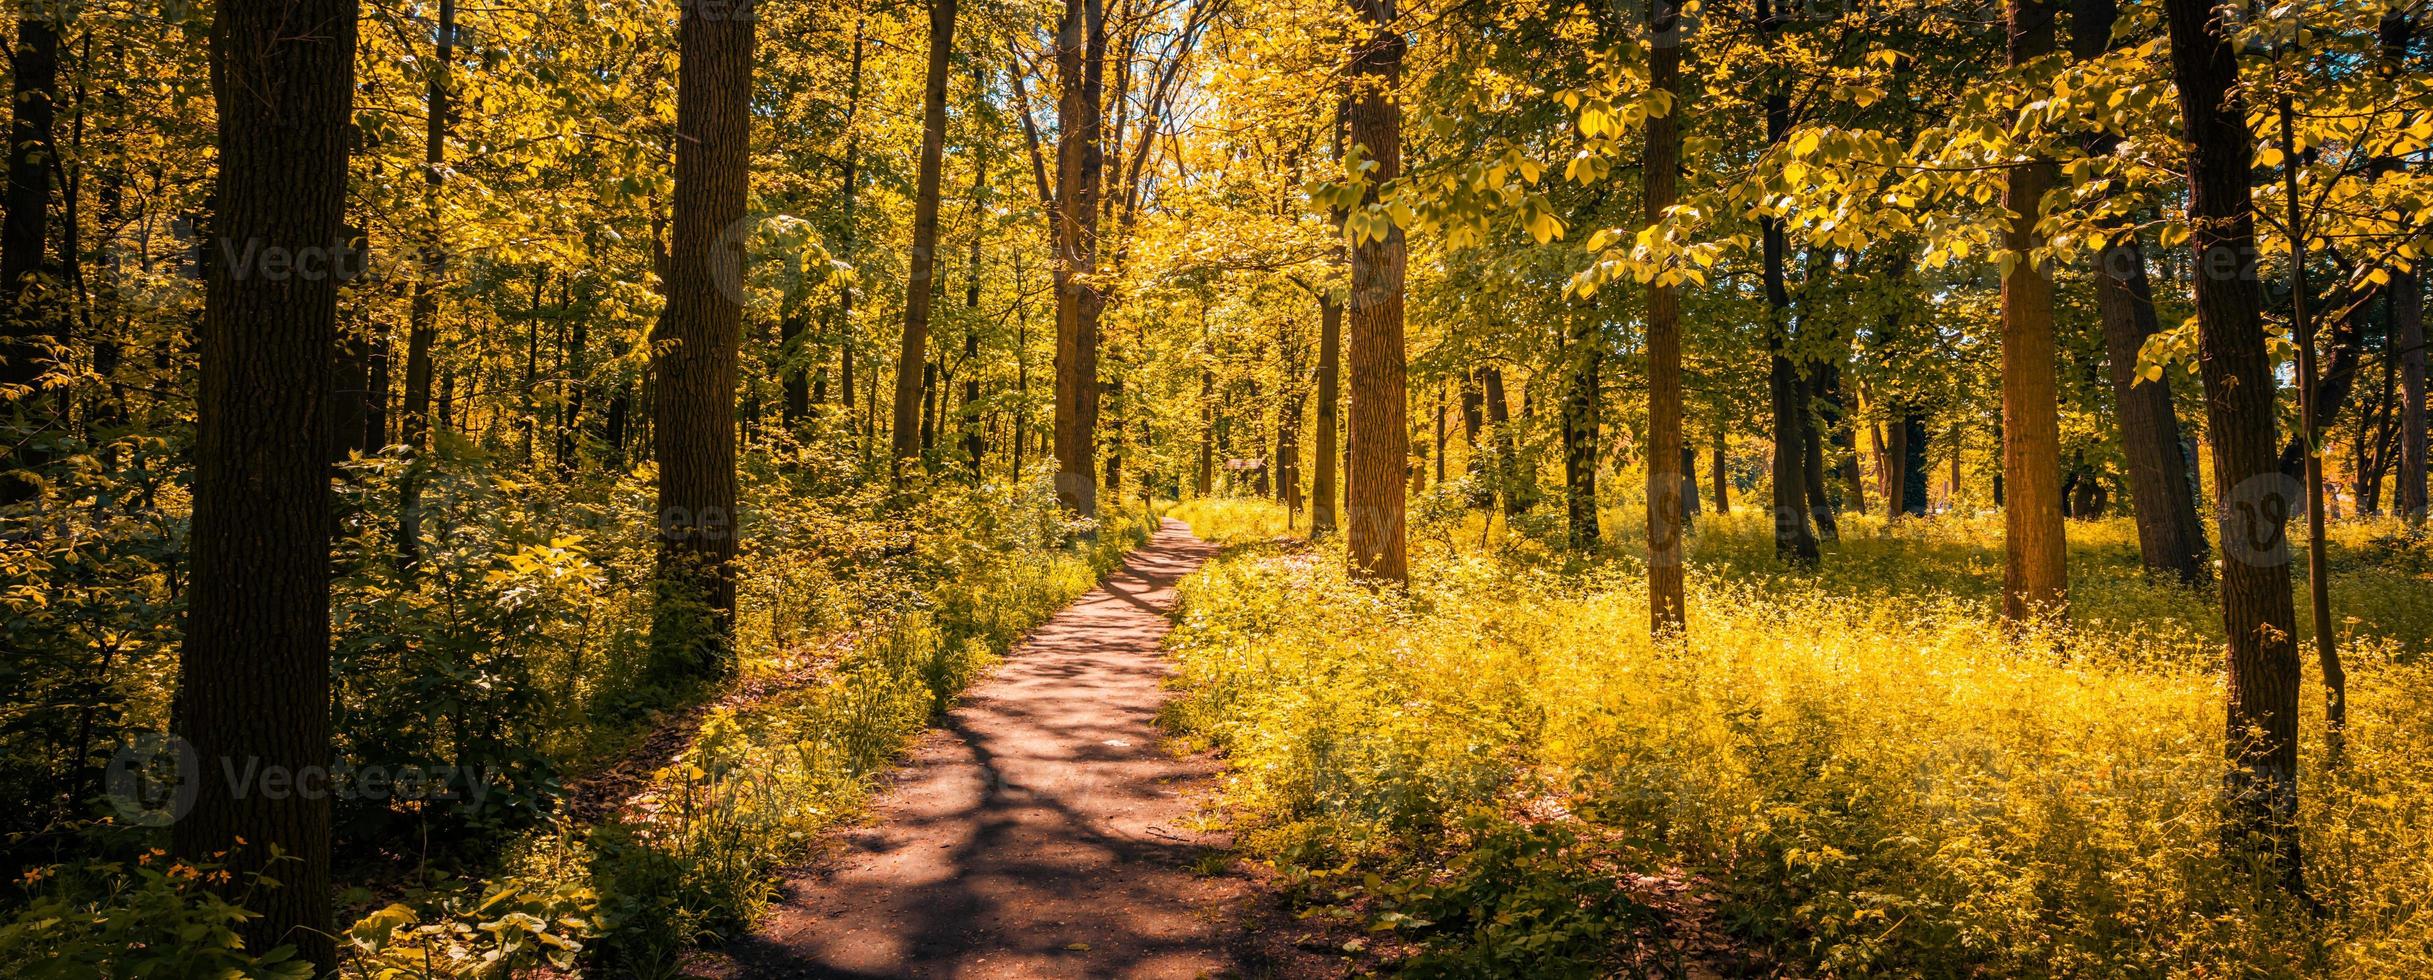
(1043, 830)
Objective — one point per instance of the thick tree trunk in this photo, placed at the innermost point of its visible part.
(2035, 580)
(28, 328)
(1081, 44)
(2170, 537)
(2258, 616)
(1380, 430)
(913, 375)
(693, 351)
(254, 680)
(1671, 496)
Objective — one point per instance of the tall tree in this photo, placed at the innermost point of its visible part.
(1322, 518)
(1582, 410)
(1794, 539)
(2170, 537)
(2407, 317)
(422, 310)
(694, 346)
(28, 332)
(254, 677)
(1666, 521)
(2035, 578)
(1380, 431)
(2258, 615)
(1081, 46)
(920, 286)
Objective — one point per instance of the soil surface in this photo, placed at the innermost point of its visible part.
(1043, 830)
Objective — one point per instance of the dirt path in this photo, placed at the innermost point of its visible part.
(1041, 832)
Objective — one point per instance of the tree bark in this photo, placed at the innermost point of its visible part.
(2258, 615)
(1380, 429)
(1667, 511)
(2407, 321)
(28, 328)
(693, 349)
(2035, 579)
(912, 375)
(1081, 43)
(254, 678)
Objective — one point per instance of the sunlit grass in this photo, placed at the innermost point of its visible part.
(1857, 765)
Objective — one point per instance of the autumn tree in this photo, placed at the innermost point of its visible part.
(2258, 616)
(2034, 579)
(254, 677)
(920, 287)
(695, 344)
(1666, 522)
(1379, 432)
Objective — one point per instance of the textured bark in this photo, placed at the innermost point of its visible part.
(2035, 580)
(1667, 508)
(693, 349)
(2257, 611)
(974, 447)
(254, 677)
(1380, 429)
(1081, 43)
(27, 330)
(2170, 537)
(913, 377)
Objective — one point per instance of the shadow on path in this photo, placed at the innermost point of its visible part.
(1042, 831)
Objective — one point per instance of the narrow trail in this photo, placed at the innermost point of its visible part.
(1042, 831)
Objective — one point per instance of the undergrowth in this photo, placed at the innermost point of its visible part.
(1851, 771)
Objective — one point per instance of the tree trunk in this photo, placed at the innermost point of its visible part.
(1813, 402)
(913, 376)
(1794, 542)
(2257, 611)
(693, 351)
(254, 680)
(2408, 323)
(1330, 399)
(1380, 430)
(2170, 537)
(2035, 580)
(28, 328)
(1723, 474)
(1667, 510)
(1581, 417)
(1081, 44)
(973, 447)
(422, 308)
